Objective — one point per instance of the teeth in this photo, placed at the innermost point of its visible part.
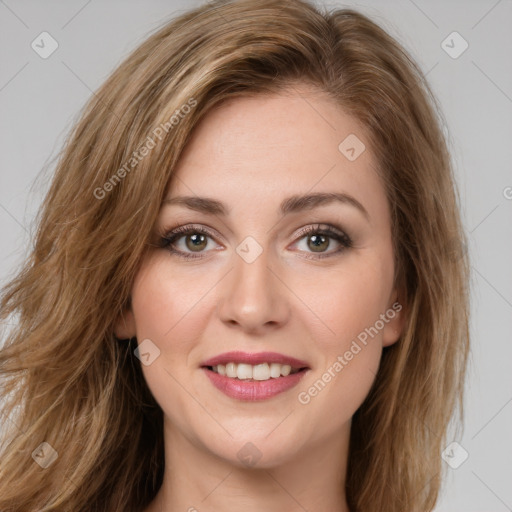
(261, 372)
(244, 371)
(275, 370)
(230, 370)
(286, 370)
(264, 371)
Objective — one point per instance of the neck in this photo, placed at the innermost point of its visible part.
(196, 479)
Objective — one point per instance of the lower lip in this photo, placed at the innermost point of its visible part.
(251, 391)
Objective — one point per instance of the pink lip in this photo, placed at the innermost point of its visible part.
(253, 390)
(254, 358)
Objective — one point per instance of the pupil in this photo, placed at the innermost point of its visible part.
(318, 240)
(197, 240)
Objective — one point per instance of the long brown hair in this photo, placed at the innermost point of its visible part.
(71, 390)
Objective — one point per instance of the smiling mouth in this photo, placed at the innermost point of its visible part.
(254, 373)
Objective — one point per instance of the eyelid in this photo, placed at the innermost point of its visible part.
(313, 227)
(319, 226)
(184, 228)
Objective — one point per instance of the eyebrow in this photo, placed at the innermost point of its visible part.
(291, 204)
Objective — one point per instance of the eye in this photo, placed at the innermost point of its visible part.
(196, 238)
(318, 239)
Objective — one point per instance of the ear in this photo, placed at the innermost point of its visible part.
(124, 327)
(396, 315)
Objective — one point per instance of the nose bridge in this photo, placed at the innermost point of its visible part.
(253, 296)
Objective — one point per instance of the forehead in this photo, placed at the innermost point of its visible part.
(267, 147)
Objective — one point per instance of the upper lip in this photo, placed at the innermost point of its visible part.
(254, 359)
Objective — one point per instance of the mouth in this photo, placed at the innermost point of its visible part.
(250, 377)
(255, 373)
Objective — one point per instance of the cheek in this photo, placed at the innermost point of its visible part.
(349, 358)
(347, 334)
(167, 310)
(341, 304)
(331, 398)
(167, 304)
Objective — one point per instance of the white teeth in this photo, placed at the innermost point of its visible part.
(230, 369)
(244, 371)
(275, 370)
(263, 371)
(285, 370)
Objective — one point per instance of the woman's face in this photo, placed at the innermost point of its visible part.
(256, 282)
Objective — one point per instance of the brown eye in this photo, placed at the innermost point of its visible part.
(318, 239)
(196, 242)
(318, 243)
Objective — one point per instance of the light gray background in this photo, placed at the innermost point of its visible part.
(40, 99)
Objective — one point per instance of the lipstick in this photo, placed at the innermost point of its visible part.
(254, 376)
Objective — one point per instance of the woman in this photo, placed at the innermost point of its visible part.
(248, 288)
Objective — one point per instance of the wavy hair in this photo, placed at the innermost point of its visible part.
(70, 386)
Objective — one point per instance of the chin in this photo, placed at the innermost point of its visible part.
(258, 451)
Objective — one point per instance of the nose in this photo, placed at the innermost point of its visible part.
(253, 296)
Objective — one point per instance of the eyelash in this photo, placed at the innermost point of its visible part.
(170, 238)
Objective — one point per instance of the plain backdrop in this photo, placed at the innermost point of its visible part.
(40, 98)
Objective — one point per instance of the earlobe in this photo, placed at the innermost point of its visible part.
(395, 325)
(124, 328)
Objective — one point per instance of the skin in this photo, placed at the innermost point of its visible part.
(251, 153)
